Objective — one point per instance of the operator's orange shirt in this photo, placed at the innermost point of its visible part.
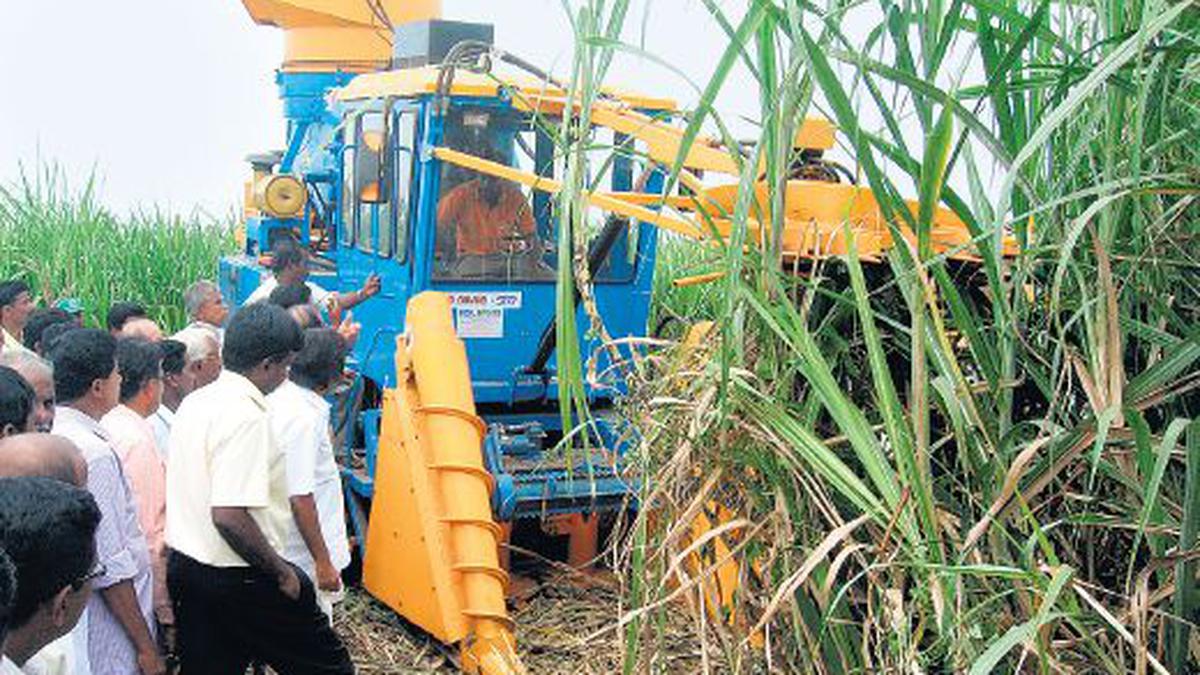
(479, 228)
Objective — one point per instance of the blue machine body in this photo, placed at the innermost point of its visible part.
(535, 474)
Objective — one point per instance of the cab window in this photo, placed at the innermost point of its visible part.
(393, 238)
(370, 138)
(495, 229)
(348, 208)
(488, 227)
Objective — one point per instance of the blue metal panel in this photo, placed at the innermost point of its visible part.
(297, 138)
(303, 94)
(532, 482)
(238, 277)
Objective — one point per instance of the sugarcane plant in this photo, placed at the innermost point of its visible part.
(912, 465)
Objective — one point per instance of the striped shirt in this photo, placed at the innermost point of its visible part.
(120, 545)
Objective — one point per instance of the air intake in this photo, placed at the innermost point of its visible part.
(423, 43)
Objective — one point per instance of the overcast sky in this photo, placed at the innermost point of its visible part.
(163, 98)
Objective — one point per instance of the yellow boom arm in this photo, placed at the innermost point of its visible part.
(815, 214)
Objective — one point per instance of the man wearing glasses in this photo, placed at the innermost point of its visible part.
(48, 530)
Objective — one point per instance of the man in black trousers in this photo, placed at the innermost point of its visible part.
(236, 600)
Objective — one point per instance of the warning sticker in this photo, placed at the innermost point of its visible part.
(487, 299)
(472, 322)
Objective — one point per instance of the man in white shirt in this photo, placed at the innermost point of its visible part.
(316, 540)
(178, 381)
(289, 265)
(203, 356)
(47, 529)
(236, 599)
(206, 308)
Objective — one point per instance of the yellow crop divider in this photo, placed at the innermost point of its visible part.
(431, 541)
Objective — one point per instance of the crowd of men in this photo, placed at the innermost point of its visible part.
(173, 503)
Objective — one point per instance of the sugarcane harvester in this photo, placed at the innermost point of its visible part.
(417, 151)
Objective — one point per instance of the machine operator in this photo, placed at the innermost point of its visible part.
(483, 219)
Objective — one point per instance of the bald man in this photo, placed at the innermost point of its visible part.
(44, 455)
(141, 327)
(51, 456)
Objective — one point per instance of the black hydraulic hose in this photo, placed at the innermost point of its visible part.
(471, 55)
(513, 59)
(838, 168)
(596, 255)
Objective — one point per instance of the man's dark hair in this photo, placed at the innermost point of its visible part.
(258, 332)
(321, 360)
(16, 399)
(285, 253)
(8, 591)
(81, 357)
(10, 289)
(174, 356)
(48, 529)
(120, 312)
(39, 320)
(52, 334)
(290, 295)
(139, 361)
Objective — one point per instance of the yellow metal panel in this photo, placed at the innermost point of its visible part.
(453, 440)
(664, 141)
(408, 560)
(414, 82)
(301, 13)
(327, 35)
(815, 212)
(640, 100)
(423, 80)
(816, 133)
(356, 50)
(528, 92)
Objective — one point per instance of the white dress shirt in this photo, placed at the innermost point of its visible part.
(222, 453)
(300, 421)
(161, 421)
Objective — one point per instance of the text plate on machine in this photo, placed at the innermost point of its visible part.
(480, 314)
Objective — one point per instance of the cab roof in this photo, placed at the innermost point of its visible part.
(423, 80)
